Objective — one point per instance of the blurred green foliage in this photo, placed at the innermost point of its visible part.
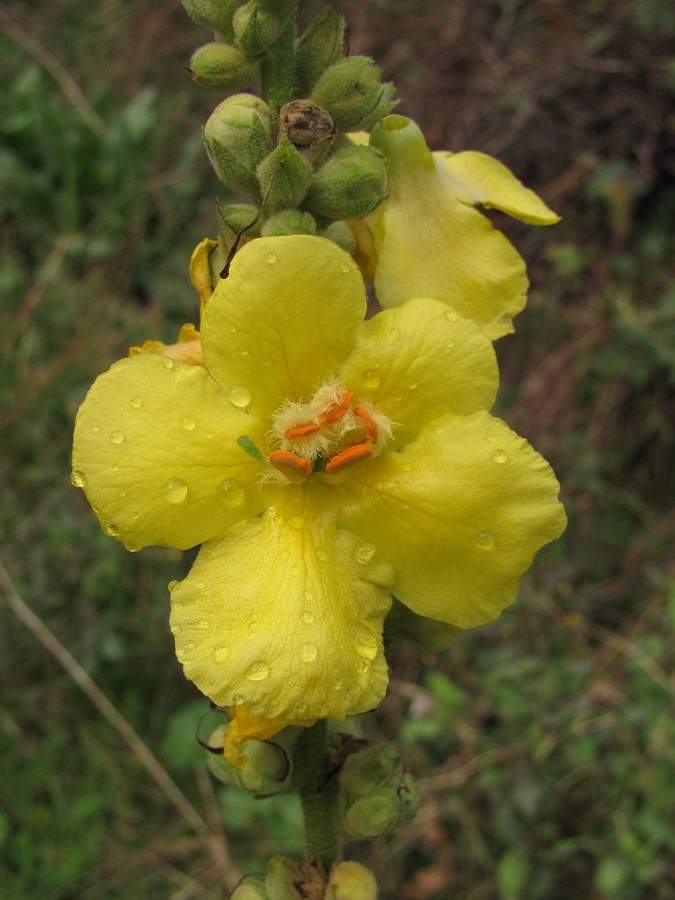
(543, 743)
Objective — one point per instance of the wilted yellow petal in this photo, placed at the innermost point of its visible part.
(479, 178)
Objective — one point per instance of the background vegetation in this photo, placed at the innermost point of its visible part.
(545, 743)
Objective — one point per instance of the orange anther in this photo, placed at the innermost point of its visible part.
(302, 430)
(367, 420)
(338, 410)
(348, 457)
(295, 468)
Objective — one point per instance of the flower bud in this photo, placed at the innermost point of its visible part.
(351, 184)
(289, 221)
(320, 46)
(249, 889)
(368, 769)
(284, 177)
(213, 14)
(341, 234)
(255, 28)
(238, 135)
(308, 127)
(351, 881)
(353, 94)
(221, 66)
(265, 773)
(286, 880)
(372, 815)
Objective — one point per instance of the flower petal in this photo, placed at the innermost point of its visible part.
(479, 178)
(155, 451)
(428, 243)
(459, 513)
(419, 361)
(283, 320)
(284, 616)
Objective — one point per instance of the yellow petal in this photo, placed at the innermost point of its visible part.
(284, 616)
(188, 348)
(419, 361)
(479, 178)
(283, 320)
(459, 513)
(155, 451)
(245, 727)
(201, 275)
(428, 243)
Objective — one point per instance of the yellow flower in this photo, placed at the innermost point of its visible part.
(324, 463)
(427, 239)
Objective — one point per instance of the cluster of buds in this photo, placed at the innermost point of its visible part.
(291, 160)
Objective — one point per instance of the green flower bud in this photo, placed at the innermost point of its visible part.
(353, 94)
(255, 28)
(372, 815)
(320, 46)
(213, 14)
(308, 127)
(341, 234)
(368, 769)
(249, 889)
(351, 881)
(266, 773)
(221, 66)
(351, 184)
(238, 135)
(289, 221)
(284, 177)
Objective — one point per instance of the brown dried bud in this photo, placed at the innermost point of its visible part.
(308, 127)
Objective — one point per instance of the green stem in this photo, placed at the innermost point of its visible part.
(278, 66)
(318, 793)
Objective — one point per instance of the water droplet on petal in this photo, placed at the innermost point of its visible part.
(450, 343)
(362, 666)
(451, 316)
(188, 423)
(233, 492)
(176, 629)
(337, 684)
(486, 540)
(411, 383)
(96, 429)
(440, 429)
(308, 617)
(321, 710)
(350, 695)
(238, 699)
(492, 439)
(370, 379)
(309, 595)
(131, 547)
(499, 456)
(221, 654)
(78, 478)
(265, 360)
(239, 396)
(258, 671)
(308, 653)
(301, 710)
(365, 641)
(344, 268)
(110, 529)
(295, 570)
(200, 585)
(364, 553)
(322, 556)
(168, 363)
(136, 403)
(252, 635)
(394, 334)
(203, 625)
(175, 490)
(173, 585)
(117, 437)
(271, 258)
(408, 467)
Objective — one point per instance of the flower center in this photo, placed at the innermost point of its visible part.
(328, 434)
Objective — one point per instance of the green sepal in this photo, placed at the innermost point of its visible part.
(284, 177)
(351, 184)
(402, 625)
(255, 28)
(289, 221)
(241, 217)
(321, 45)
(221, 66)
(238, 135)
(215, 15)
(353, 94)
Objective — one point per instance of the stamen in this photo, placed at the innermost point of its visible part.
(367, 420)
(338, 410)
(295, 468)
(302, 430)
(348, 457)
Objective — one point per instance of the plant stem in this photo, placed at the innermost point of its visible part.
(318, 793)
(278, 66)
